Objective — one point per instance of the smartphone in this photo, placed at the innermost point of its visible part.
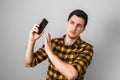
(42, 25)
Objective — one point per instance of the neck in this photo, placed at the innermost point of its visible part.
(69, 41)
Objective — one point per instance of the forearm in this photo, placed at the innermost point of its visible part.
(33, 36)
(66, 69)
(29, 53)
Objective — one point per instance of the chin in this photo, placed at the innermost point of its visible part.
(72, 36)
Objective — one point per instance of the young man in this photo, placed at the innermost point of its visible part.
(69, 56)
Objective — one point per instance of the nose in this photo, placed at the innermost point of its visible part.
(74, 27)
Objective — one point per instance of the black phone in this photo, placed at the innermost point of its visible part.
(42, 25)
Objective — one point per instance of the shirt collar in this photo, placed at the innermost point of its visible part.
(76, 43)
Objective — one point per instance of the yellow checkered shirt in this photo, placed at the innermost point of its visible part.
(78, 54)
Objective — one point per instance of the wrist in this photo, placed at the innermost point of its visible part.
(31, 41)
(50, 53)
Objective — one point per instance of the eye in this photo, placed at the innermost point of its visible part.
(79, 25)
(72, 22)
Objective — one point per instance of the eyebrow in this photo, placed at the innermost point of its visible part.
(77, 24)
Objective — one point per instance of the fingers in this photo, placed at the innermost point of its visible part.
(48, 46)
(36, 25)
(35, 28)
(48, 38)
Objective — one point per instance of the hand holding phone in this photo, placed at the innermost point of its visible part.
(42, 25)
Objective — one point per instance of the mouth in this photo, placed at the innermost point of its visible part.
(73, 32)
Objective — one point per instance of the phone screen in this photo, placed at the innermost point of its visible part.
(42, 25)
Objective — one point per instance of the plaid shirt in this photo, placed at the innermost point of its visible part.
(78, 54)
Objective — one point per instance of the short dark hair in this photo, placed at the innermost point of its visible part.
(79, 13)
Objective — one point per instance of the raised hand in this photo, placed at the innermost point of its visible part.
(33, 36)
(48, 45)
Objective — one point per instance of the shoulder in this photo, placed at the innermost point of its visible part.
(87, 48)
(86, 44)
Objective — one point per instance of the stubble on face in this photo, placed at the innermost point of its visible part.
(72, 37)
(75, 26)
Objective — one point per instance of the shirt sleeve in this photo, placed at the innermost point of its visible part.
(83, 59)
(38, 56)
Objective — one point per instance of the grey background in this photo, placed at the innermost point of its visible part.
(17, 17)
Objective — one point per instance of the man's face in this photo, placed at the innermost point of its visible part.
(75, 26)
